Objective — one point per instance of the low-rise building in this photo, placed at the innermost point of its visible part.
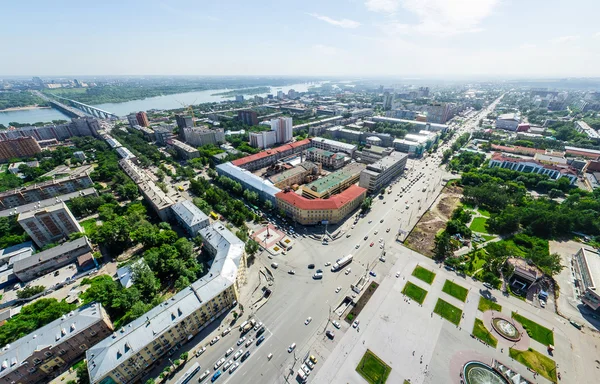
(184, 150)
(328, 159)
(372, 153)
(332, 145)
(316, 211)
(47, 202)
(508, 121)
(530, 165)
(49, 351)
(333, 183)
(295, 175)
(264, 188)
(377, 175)
(49, 224)
(44, 262)
(189, 216)
(586, 265)
(412, 148)
(271, 156)
(134, 350)
(583, 127)
(13, 253)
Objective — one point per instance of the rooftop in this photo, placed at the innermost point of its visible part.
(248, 178)
(269, 152)
(19, 251)
(51, 253)
(47, 202)
(592, 261)
(183, 146)
(301, 168)
(387, 161)
(189, 213)
(325, 183)
(54, 333)
(324, 152)
(334, 143)
(152, 192)
(508, 116)
(42, 185)
(334, 202)
(51, 208)
(562, 169)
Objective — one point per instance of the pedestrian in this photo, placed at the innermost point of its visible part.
(413, 353)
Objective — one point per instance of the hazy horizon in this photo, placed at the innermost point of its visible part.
(461, 39)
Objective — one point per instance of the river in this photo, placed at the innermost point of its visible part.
(159, 102)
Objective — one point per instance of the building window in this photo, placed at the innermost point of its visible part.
(62, 352)
(93, 333)
(47, 354)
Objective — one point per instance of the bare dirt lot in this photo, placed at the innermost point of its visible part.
(421, 238)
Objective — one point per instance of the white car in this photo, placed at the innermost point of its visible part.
(219, 363)
(309, 364)
(225, 332)
(291, 347)
(542, 304)
(398, 274)
(241, 341)
(204, 375)
(327, 264)
(258, 325)
(355, 324)
(200, 351)
(307, 321)
(227, 365)
(336, 324)
(214, 341)
(234, 367)
(238, 354)
(376, 232)
(229, 352)
(348, 271)
(338, 289)
(357, 246)
(249, 342)
(305, 369)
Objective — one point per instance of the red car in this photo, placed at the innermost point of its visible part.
(372, 244)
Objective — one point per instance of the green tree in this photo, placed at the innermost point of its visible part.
(145, 281)
(366, 204)
(83, 376)
(443, 246)
(128, 190)
(268, 205)
(30, 291)
(251, 247)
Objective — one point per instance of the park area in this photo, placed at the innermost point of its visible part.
(479, 224)
(534, 330)
(415, 292)
(455, 290)
(532, 359)
(448, 311)
(424, 274)
(482, 333)
(373, 369)
(488, 305)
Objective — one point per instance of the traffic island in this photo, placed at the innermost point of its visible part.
(373, 369)
(362, 301)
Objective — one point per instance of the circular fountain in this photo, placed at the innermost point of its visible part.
(475, 372)
(506, 329)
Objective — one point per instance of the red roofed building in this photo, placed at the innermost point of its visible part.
(314, 211)
(270, 156)
(518, 150)
(518, 164)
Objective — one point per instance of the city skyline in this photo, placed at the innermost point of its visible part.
(456, 38)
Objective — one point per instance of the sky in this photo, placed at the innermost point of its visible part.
(438, 38)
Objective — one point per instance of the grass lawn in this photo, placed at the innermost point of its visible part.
(483, 212)
(424, 274)
(534, 330)
(89, 226)
(448, 311)
(488, 237)
(531, 358)
(488, 305)
(482, 333)
(479, 225)
(373, 369)
(415, 292)
(455, 290)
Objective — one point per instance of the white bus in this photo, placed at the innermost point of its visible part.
(187, 376)
(340, 263)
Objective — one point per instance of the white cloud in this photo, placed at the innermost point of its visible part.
(437, 17)
(388, 6)
(343, 23)
(565, 39)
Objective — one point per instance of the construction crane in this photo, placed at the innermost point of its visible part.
(190, 108)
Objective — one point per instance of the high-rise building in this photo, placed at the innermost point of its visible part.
(438, 113)
(201, 136)
(283, 129)
(84, 126)
(291, 94)
(132, 120)
(184, 121)
(248, 117)
(142, 119)
(264, 139)
(280, 95)
(50, 224)
(19, 147)
(239, 98)
(388, 99)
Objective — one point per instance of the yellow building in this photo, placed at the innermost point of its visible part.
(333, 183)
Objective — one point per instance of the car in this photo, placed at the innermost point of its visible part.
(241, 341)
(225, 332)
(325, 243)
(381, 247)
(348, 235)
(313, 359)
(319, 271)
(381, 221)
(308, 320)
(311, 266)
(372, 243)
(348, 270)
(353, 226)
(260, 340)
(366, 237)
(309, 364)
(330, 334)
(338, 289)
(542, 304)
(215, 340)
(317, 276)
(246, 356)
(398, 274)
(305, 369)
(291, 272)
(381, 239)
(387, 230)
(488, 285)
(227, 365)
(204, 375)
(260, 331)
(372, 273)
(357, 246)
(229, 352)
(291, 347)
(274, 265)
(238, 354)
(336, 324)
(234, 367)
(382, 259)
(327, 264)
(450, 268)
(219, 363)
(200, 351)
(56, 273)
(249, 342)
(370, 221)
(355, 324)
(283, 253)
(376, 232)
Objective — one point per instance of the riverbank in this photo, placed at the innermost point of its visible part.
(25, 108)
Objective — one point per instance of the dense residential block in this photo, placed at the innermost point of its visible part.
(18, 147)
(50, 224)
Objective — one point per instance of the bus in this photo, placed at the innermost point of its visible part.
(187, 376)
(340, 263)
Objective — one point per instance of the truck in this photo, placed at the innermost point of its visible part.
(341, 263)
(302, 376)
(249, 325)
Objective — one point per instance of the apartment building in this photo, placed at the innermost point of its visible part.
(18, 147)
(248, 117)
(47, 352)
(295, 175)
(197, 137)
(508, 121)
(333, 146)
(586, 265)
(41, 263)
(184, 150)
(50, 224)
(132, 351)
(327, 158)
(48, 202)
(271, 156)
(189, 216)
(379, 174)
(320, 211)
(333, 183)
(83, 126)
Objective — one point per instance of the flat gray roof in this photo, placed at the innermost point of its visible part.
(49, 254)
(47, 202)
(189, 213)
